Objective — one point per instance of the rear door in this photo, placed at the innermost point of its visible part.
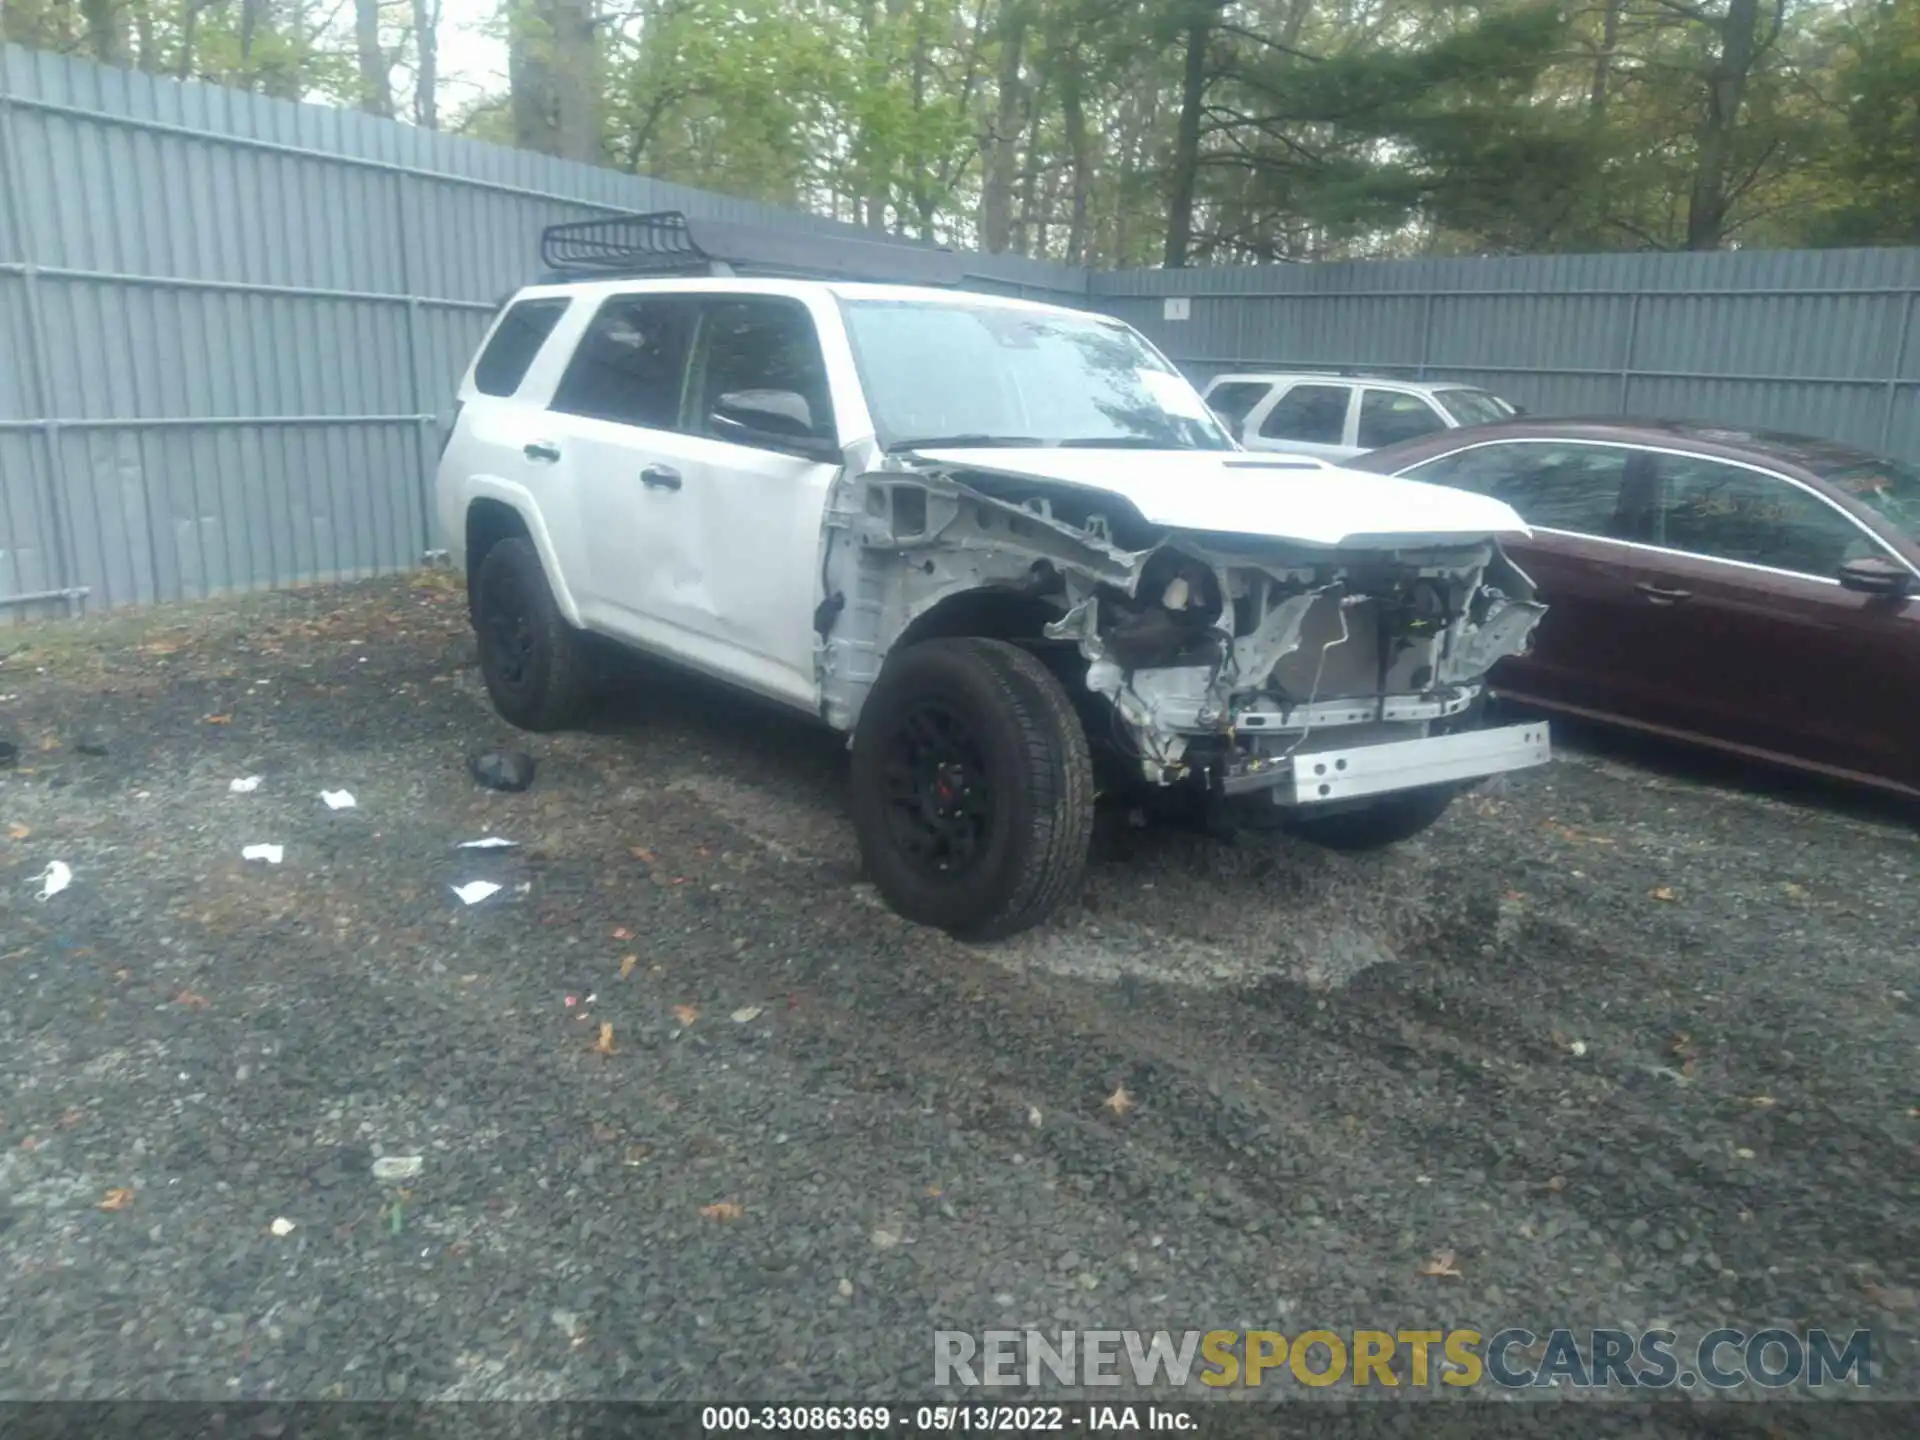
(1306, 417)
(1764, 648)
(1584, 503)
(613, 427)
(1234, 400)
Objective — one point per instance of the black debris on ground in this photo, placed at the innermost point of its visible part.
(694, 1115)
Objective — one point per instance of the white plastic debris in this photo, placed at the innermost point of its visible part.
(338, 799)
(245, 785)
(270, 853)
(1034, 1118)
(1579, 1049)
(491, 842)
(397, 1167)
(282, 1226)
(52, 880)
(745, 1014)
(474, 891)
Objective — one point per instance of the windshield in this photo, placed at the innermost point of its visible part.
(1474, 407)
(1888, 488)
(960, 374)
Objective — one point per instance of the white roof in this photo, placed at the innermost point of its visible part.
(800, 290)
(1332, 377)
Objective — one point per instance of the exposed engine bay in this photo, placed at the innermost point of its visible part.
(1224, 658)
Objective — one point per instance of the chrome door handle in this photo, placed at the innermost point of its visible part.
(660, 477)
(1660, 596)
(541, 450)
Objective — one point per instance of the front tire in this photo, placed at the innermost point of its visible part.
(972, 787)
(536, 665)
(1387, 821)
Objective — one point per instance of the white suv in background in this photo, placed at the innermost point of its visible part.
(1339, 416)
(996, 544)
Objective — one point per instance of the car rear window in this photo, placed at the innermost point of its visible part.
(513, 344)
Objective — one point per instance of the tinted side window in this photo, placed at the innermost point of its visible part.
(1730, 513)
(1314, 414)
(1576, 488)
(1232, 401)
(767, 348)
(513, 344)
(631, 362)
(1387, 417)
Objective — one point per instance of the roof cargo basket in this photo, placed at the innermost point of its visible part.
(665, 242)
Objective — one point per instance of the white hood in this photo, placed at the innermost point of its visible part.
(1247, 493)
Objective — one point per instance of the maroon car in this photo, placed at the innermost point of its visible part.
(1758, 593)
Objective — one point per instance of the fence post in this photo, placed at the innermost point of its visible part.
(1626, 353)
(65, 552)
(416, 389)
(1893, 375)
(1426, 336)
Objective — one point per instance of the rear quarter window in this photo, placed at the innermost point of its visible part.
(509, 351)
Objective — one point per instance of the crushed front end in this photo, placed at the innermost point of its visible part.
(1251, 665)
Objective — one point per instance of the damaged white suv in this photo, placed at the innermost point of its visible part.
(1003, 546)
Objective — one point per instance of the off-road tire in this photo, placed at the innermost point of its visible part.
(1030, 850)
(538, 668)
(1386, 821)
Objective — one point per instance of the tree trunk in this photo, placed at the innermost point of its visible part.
(1708, 202)
(189, 20)
(426, 75)
(1186, 143)
(149, 42)
(107, 30)
(1002, 148)
(1073, 114)
(576, 69)
(376, 83)
(530, 78)
(1603, 61)
(1030, 230)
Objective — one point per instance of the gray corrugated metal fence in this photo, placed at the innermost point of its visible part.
(231, 326)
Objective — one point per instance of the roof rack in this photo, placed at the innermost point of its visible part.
(664, 242)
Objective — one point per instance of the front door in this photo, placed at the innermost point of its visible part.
(1765, 649)
(1583, 502)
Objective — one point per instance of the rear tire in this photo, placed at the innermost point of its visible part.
(972, 787)
(537, 667)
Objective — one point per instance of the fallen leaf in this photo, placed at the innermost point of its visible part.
(217, 719)
(19, 832)
(192, 1001)
(123, 976)
(745, 1014)
(1120, 1102)
(627, 962)
(934, 1192)
(1514, 896)
(723, 1210)
(1665, 892)
(686, 1014)
(1794, 891)
(117, 1200)
(604, 1045)
(1557, 1183)
(620, 932)
(50, 742)
(1440, 1265)
(1762, 1102)
(637, 1154)
(72, 1118)
(605, 1134)
(641, 853)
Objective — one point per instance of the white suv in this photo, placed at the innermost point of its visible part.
(1003, 546)
(1340, 416)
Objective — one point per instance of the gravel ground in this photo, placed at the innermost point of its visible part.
(699, 1118)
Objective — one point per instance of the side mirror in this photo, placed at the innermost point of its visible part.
(1876, 575)
(771, 420)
